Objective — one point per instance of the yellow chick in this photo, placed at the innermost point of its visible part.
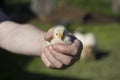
(61, 35)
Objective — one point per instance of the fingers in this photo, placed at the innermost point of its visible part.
(65, 59)
(49, 60)
(69, 49)
(49, 34)
(45, 60)
(52, 59)
(60, 56)
(62, 48)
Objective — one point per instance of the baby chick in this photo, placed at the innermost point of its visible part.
(61, 35)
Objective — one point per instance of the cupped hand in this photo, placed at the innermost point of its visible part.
(60, 56)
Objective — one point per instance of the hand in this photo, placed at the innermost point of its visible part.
(60, 56)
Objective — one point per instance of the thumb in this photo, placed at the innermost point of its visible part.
(49, 34)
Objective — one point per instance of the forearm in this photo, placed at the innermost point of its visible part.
(22, 39)
(5, 28)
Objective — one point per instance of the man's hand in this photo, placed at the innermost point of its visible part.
(29, 40)
(60, 56)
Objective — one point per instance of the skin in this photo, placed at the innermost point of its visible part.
(28, 40)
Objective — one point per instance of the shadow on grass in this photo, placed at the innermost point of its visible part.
(99, 54)
(11, 68)
(31, 76)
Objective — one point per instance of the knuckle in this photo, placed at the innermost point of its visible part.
(68, 61)
(77, 43)
(51, 48)
(59, 66)
(48, 65)
(55, 62)
(74, 53)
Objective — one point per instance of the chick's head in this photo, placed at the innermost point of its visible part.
(60, 32)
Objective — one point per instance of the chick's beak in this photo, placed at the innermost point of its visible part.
(60, 36)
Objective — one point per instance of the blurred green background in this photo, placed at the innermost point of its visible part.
(105, 67)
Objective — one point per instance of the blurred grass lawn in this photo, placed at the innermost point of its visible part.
(107, 68)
